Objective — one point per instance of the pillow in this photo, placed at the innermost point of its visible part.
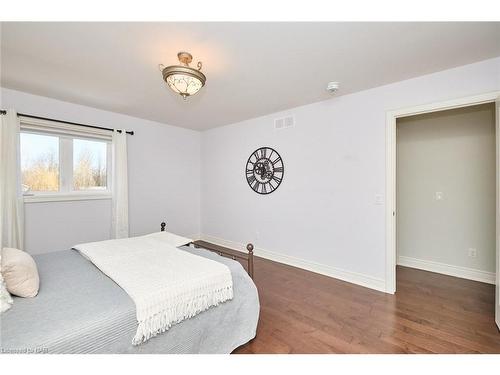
(171, 238)
(19, 272)
(5, 298)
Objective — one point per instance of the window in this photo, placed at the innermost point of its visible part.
(59, 163)
(39, 162)
(89, 165)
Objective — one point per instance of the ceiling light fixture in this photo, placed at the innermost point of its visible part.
(183, 79)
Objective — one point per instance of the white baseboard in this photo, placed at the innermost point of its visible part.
(448, 269)
(323, 269)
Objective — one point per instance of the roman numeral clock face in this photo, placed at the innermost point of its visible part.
(264, 170)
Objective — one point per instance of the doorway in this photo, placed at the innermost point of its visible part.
(391, 186)
(445, 192)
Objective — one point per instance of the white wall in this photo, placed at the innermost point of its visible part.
(453, 153)
(323, 216)
(164, 179)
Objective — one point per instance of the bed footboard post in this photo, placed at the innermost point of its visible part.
(250, 259)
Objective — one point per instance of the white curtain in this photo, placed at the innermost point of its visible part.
(11, 199)
(120, 186)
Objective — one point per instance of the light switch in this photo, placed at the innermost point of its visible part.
(439, 195)
(379, 199)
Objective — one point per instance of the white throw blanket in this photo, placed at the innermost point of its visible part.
(166, 284)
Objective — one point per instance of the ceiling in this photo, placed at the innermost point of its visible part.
(252, 69)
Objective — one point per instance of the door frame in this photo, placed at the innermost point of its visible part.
(390, 171)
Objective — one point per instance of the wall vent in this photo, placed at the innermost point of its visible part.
(284, 122)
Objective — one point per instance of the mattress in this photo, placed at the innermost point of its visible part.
(80, 310)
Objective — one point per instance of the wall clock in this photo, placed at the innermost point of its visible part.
(264, 170)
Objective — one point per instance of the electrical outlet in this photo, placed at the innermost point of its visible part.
(472, 253)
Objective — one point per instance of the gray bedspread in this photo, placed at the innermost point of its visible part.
(80, 310)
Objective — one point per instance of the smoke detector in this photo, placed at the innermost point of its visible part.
(332, 87)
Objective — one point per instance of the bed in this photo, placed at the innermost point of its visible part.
(80, 310)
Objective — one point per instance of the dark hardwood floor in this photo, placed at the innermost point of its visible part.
(304, 312)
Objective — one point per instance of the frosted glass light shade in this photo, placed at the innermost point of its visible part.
(183, 84)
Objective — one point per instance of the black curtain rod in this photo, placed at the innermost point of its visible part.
(3, 112)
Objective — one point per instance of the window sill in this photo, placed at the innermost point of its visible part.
(64, 197)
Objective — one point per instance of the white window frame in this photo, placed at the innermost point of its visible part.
(66, 133)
